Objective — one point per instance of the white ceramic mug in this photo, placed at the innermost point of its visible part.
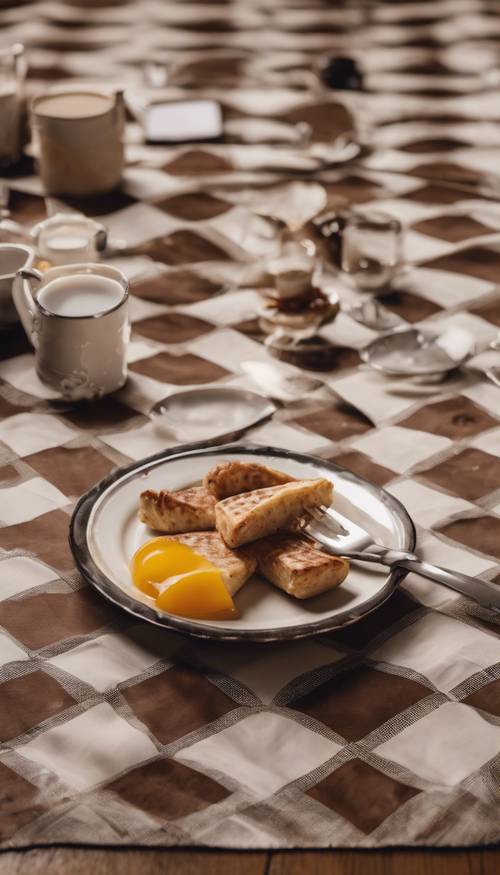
(79, 136)
(77, 319)
(13, 257)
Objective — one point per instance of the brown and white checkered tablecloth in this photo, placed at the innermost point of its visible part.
(113, 732)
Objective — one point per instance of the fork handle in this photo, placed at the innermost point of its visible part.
(481, 591)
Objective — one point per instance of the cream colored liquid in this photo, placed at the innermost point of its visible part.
(74, 105)
(80, 295)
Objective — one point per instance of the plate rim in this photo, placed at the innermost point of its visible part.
(90, 571)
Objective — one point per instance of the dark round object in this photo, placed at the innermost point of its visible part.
(343, 74)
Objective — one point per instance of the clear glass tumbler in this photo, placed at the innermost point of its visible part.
(371, 250)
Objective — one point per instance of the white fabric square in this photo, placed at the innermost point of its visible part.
(20, 372)
(400, 448)
(443, 650)
(139, 223)
(345, 331)
(375, 395)
(19, 573)
(422, 247)
(441, 552)
(30, 499)
(444, 288)
(482, 331)
(147, 182)
(228, 348)
(488, 442)
(9, 651)
(427, 506)
(105, 661)
(244, 304)
(91, 748)
(263, 752)
(265, 671)
(484, 393)
(428, 592)
(139, 309)
(446, 746)
(28, 433)
(138, 349)
(140, 442)
(279, 434)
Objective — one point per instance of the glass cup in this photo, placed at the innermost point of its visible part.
(68, 238)
(12, 75)
(371, 250)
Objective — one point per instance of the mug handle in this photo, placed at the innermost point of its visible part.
(24, 301)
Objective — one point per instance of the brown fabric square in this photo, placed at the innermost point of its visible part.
(17, 802)
(45, 618)
(182, 247)
(410, 307)
(335, 421)
(9, 473)
(167, 789)
(446, 170)
(361, 794)
(47, 535)
(454, 418)
(176, 702)
(490, 312)
(194, 206)
(26, 701)
(361, 465)
(481, 533)
(487, 698)
(434, 144)
(476, 262)
(172, 327)
(100, 414)
(451, 228)
(8, 408)
(361, 633)
(353, 189)
(356, 702)
(470, 474)
(197, 161)
(26, 208)
(326, 119)
(435, 194)
(73, 471)
(179, 369)
(175, 287)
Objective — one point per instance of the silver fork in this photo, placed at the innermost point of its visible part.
(342, 537)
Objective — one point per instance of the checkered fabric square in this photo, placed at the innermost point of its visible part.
(387, 733)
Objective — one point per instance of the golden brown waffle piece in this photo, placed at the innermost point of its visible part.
(188, 510)
(298, 566)
(231, 478)
(252, 515)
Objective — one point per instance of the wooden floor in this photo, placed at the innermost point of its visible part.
(77, 862)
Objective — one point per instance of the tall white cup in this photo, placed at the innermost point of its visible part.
(79, 140)
(77, 319)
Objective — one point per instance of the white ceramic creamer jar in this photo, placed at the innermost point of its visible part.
(77, 319)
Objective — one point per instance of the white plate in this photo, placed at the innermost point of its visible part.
(105, 532)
